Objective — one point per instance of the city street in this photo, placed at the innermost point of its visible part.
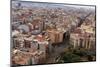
(59, 48)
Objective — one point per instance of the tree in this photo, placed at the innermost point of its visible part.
(30, 61)
(90, 58)
(70, 57)
(80, 52)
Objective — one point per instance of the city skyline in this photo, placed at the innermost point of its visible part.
(52, 33)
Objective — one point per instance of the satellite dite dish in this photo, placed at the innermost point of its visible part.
(52, 33)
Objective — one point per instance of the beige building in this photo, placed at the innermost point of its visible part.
(55, 35)
(82, 40)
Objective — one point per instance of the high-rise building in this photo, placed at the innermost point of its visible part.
(55, 36)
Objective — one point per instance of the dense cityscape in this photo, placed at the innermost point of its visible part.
(48, 33)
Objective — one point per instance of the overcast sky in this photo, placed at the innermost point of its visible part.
(37, 4)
